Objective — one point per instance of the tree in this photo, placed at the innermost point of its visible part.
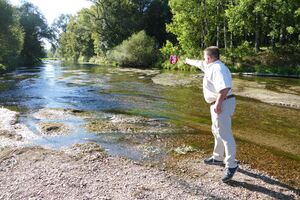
(264, 22)
(58, 27)
(156, 16)
(137, 51)
(115, 20)
(77, 40)
(35, 28)
(112, 22)
(11, 35)
(100, 28)
(196, 24)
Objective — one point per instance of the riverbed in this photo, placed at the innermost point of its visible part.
(154, 116)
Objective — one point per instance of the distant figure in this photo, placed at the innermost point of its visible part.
(217, 84)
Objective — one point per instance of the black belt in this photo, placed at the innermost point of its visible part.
(228, 97)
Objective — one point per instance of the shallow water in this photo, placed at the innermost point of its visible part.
(105, 89)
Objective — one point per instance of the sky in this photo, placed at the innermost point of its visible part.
(51, 9)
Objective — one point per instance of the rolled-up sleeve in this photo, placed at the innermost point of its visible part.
(222, 79)
(197, 63)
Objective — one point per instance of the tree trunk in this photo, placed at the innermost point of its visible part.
(231, 40)
(281, 33)
(218, 27)
(273, 42)
(225, 31)
(257, 32)
(205, 22)
(224, 24)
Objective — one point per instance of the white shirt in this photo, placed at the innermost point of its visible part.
(216, 78)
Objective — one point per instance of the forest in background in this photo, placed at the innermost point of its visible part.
(253, 35)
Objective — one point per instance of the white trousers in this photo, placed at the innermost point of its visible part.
(221, 129)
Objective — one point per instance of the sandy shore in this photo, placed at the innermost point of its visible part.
(86, 171)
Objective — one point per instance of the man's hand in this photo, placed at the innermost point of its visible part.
(220, 98)
(218, 108)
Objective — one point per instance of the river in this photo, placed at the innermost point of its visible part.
(264, 132)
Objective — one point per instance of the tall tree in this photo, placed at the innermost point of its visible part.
(196, 23)
(35, 28)
(77, 40)
(113, 21)
(156, 16)
(11, 35)
(58, 27)
(264, 22)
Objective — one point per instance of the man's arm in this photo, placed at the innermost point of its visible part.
(197, 63)
(220, 98)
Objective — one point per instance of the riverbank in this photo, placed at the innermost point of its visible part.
(284, 96)
(87, 171)
(253, 74)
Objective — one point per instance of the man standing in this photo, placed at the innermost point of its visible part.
(217, 84)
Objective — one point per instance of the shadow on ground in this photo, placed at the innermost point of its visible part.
(261, 189)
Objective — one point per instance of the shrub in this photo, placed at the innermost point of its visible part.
(236, 55)
(137, 51)
(169, 49)
(100, 60)
(2, 67)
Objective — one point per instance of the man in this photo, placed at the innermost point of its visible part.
(217, 84)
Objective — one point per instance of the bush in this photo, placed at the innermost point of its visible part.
(2, 67)
(100, 60)
(137, 51)
(236, 55)
(169, 49)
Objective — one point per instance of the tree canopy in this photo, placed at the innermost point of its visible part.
(11, 35)
(35, 27)
(108, 23)
(238, 27)
(21, 32)
(230, 23)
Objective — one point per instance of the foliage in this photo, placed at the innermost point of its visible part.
(251, 34)
(11, 36)
(235, 55)
(239, 27)
(170, 49)
(113, 21)
(230, 23)
(156, 16)
(108, 23)
(35, 28)
(77, 40)
(186, 25)
(58, 27)
(137, 51)
(100, 60)
(278, 60)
